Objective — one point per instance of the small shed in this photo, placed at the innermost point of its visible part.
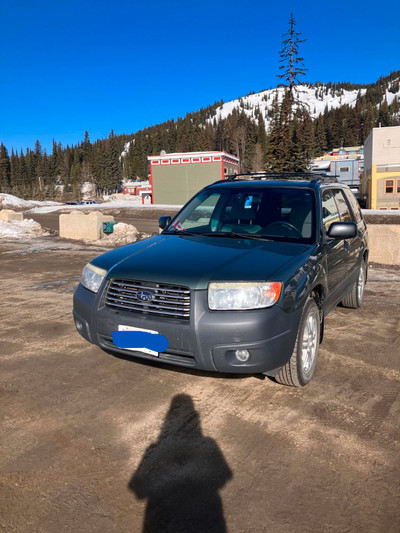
(175, 178)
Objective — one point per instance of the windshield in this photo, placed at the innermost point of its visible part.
(269, 213)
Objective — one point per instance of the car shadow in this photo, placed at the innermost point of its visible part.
(180, 475)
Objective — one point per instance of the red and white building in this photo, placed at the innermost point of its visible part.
(175, 178)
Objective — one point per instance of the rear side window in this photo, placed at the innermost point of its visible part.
(354, 205)
(330, 212)
(344, 210)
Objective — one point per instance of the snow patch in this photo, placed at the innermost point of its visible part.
(9, 200)
(20, 229)
(382, 212)
(122, 234)
(88, 190)
(129, 201)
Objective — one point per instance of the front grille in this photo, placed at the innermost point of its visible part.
(168, 300)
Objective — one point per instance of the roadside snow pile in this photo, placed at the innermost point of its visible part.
(20, 229)
(88, 190)
(381, 212)
(122, 234)
(133, 202)
(9, 200)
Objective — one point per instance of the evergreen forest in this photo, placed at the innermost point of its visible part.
(37, 174)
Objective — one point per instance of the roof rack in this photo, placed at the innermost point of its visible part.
(300, 176)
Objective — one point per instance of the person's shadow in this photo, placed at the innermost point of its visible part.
(180, 475)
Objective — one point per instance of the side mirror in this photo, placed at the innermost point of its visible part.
(342, 230)
(163, 222)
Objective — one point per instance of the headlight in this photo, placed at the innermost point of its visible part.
(242, 295)
(92, 277)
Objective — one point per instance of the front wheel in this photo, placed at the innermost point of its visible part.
(300, 368)
(354, 299)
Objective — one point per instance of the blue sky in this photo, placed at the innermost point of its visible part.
(67, 67)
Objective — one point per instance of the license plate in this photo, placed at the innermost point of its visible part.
(144, 350)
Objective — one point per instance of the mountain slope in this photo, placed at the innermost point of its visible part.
(316, 98)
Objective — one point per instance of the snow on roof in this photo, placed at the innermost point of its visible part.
(321, 165)
(191, 154)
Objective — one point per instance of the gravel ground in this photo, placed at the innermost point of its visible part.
(90, 442)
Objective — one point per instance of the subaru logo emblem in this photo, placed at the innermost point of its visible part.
(145, 296)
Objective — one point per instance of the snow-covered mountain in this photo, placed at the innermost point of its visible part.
(315, 98)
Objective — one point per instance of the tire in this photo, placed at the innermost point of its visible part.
(300, 368)
(354, 299)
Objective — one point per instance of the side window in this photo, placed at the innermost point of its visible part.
(344, 210)
(354, 205)
(330, 211)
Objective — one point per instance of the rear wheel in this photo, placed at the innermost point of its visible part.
(354, 299)
(300, 368)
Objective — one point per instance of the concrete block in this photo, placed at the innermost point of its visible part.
(384, 243)
(9, 214)
(80, 226)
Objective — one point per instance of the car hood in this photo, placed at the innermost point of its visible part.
(194, 261)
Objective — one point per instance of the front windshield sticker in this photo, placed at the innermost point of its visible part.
(248, 202)
(177, 225)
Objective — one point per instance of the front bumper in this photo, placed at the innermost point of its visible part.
(207, 341)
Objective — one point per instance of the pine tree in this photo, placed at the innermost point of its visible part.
(293, 64)
(283, 140)
(5, 169)
(320, 136)
(262, 137)
(303, 142)
(284, 152)
(384, 118)
(273, 137)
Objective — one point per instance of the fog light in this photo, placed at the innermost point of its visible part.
(79, 325)
(242, 355)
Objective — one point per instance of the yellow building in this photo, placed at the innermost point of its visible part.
(381, 180)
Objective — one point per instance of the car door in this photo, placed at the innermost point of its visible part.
(352, 245)
(335, 251)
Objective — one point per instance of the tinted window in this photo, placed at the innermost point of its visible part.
(344, 210)
(276, 213)
(330, 211)
(354, 205)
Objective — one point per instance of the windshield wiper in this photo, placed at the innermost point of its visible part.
(226, 234)
(181, 232)
(233, 235)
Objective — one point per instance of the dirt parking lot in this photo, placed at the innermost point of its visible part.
(94, 443)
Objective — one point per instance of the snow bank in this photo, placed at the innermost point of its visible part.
(133, 202)
(381, 212)
(123, 234)
(9, 200)
(20, 229)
